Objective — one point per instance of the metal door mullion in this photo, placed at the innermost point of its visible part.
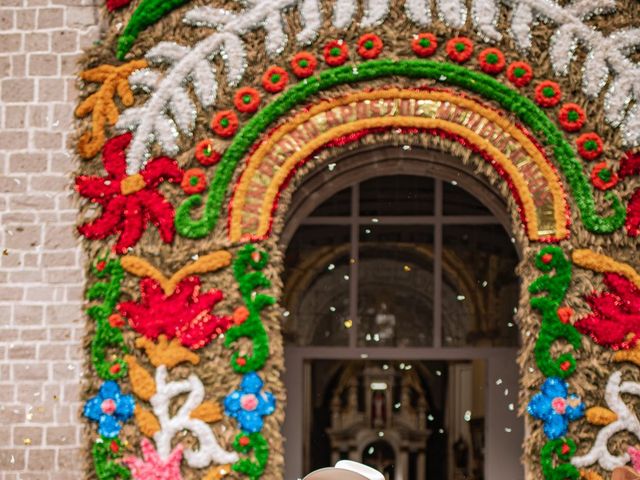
(437, 267)
(354, 266)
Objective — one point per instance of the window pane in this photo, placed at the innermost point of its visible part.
(397, 195)
(337, 206)
(316, 286)
(457, 201)
(395, 286)
(480, 287)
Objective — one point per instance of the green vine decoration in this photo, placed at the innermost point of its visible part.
(552, 328)
(524, 109)
(145, 15)
(105, 452)
(564, 449)
(245, 443)
(106, 336)
(252, 328)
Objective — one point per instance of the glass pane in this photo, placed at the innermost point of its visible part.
(316, 286)
(395, 286)
(457, 201)
(480, 287)
(413, 420)
(397, 195)
(337, 206)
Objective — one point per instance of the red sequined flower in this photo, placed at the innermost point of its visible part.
(491, 61)
(335, 53)
(115, 4)
(369, 46)
(589, 145)
(304, 64)
(225, 123)
(520, 74)
(548, 94)
(207, 153)
(424, 44)
(194, 181)
(459, 49)
(275, 79)
(571, 117)
(184, 314)
(246, 100)
(602, 177)
(129, 202)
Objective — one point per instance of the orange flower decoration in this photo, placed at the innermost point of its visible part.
(194, 181)
(275, 79)
(247, 100)
(225, 123)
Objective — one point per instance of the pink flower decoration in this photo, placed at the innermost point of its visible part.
(108, 406)
(634, 453)
(559, 405)
(152, 467)
(249, 402)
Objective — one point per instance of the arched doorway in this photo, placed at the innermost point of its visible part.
(402, 263)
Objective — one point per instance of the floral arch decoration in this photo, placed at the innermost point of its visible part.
(190, 148)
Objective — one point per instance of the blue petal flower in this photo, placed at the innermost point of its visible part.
(539, 406)
(554, 387)
(125, 406)
(93, 408)
(555, 407)
(109, 426)
(251, 383)
(555, 426)
(109, 389)
(250, 419)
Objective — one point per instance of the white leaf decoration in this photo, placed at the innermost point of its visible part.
(209, 451)
(343, 13)
(521, 20)
(563, 46)
(485, 16)
(375, 13)
(607, 57)
(419, 11)
(312, 20)
(452, 12)
(166, 52)
(204, 84)
(626, 421)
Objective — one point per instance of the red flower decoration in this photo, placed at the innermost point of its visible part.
(369, 46)
(207, 152)
(548, 94)
(571, 117)
(459, 49)
(225, 123)
(304, 64)
(424, 44)
(520, 74)
(615, 321)
(115, 4)
(589, 146)
(129, 202)
(194, 181)
(630, 165)
(247, 100)
(185, 314)
(275, 79)
(602, 177)
(335, 53)
(491, 61)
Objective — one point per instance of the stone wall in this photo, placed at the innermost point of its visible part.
(41, 323)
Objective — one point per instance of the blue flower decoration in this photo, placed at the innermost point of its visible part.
(248, 404)
(555, 407)
(109, 408)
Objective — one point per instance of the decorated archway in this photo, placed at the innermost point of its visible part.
(193, 148)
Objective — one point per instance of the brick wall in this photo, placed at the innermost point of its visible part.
(41, 324)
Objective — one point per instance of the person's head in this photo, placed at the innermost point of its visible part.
(346, 470)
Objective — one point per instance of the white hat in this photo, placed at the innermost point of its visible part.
(346, 470)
